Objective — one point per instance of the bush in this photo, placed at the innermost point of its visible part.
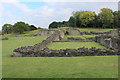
(66, 33)
(40, 28)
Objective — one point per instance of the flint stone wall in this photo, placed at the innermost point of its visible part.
(99, 33)
(114, 33)
(73, 31)
(80, 39)
(46, 32)
(46, 52)
(109, 41)
(58, 35)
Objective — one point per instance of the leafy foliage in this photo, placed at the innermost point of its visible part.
(7, 28)
(66, 33)
(106, 17)
(82, 19)
(72, 22)
(58, 24)
(20, 27)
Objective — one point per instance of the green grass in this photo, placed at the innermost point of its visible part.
(60, 28)
(54, 67)
(65, 37)
(93, 29)
(61, 67)
(74, 45)
(81, 36)
(25, 33)
(86, 29)
(0, 36)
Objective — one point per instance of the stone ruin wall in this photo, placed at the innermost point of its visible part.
(74, 31)
(110, 41)
(34, 51)
(46, 52)
(77, 39)
(58, 35)
(46, 32)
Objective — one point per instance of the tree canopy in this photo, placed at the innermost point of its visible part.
(7, 28)
(20, 27)
(105, 19)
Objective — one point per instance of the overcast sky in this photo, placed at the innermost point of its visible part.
(42, 13)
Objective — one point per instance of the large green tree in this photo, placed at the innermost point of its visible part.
(76, 15)
(7, 28)
(106, 18)
(72, 22)
(20, 27)
(87, 18)
(116, 19)
(84, 18)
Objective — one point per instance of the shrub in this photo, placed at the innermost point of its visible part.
(40, 28)
(66, 33)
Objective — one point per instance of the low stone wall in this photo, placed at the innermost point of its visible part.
(113, 43)
(46, 52)
(58, 35)
(80, 39)
(4, 39)
(99, 33)
(85, 33)
(77, 39)
(73, 31)
(46, 32)
(114, 33)
(108, 41)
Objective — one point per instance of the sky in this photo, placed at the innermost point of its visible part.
(42, 12)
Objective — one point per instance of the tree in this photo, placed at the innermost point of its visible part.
(116, 19)
(106, 17)
(53, 25)
(72, 22)
(7, 28)
(32, 27)
(76, 15)
(58, 24)
(87, 18)
(20, 27)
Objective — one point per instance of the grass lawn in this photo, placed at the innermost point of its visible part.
(93, 29)
(74, 45)
(25, 33)
(81, 36)
(86, 29)
(65, 37)
(55, 67)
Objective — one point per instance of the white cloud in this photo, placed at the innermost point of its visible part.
(42, 16)
(68, 0)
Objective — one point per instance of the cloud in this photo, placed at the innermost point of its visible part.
(20, 12)
(53, 1)
(12, 11)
